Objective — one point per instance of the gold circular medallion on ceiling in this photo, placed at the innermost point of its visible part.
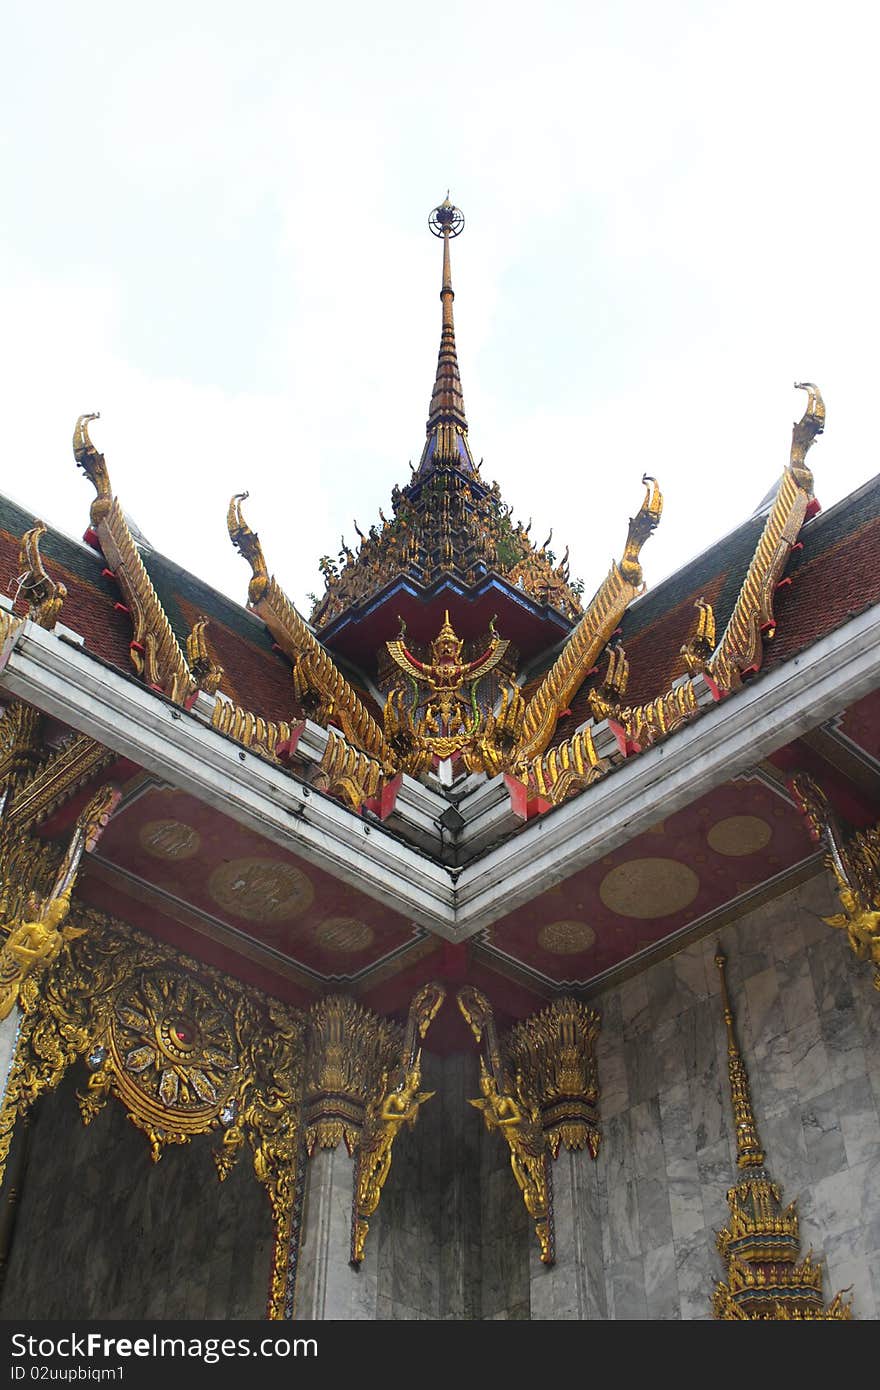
(566, 938)
(737, 835)
(169, 839)
(649, 888)
(343, 935)
(261, 890)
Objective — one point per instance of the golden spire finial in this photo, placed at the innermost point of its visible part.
(447, 424)
(749, 1153)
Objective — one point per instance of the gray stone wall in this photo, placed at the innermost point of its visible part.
(8, 1036)
(454, 1230)
(808, 1020)
(103, 1232)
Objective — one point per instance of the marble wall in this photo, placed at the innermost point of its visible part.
(808, 1020)
(102, 1231)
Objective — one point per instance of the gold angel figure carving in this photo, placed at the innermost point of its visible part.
(511, 1107)
(396, 1103)
(862, 927)
(854, 862)
(517, 1116)
(35, 942)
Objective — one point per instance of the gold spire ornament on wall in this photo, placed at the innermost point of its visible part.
(766, 1279)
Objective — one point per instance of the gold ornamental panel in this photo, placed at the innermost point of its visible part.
(648, 888)
(173, 1052)
(343, 935)
(261, 890)
(169, 839)
(566, 938)
(739, 835)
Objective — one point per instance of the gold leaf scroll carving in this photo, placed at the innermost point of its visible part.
(187, 1051)
(600, 619)
(740, 650)
(154, 650)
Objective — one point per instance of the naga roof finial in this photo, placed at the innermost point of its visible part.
(247, 543)
(805, 432)
(44, 597)
(93, 465)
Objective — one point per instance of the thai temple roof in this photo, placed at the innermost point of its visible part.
(458, 750)
(449, 533)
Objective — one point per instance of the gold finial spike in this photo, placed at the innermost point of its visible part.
(749, 1153)
(447, 424)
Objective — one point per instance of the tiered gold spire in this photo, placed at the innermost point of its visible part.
(749, 1153)
(766, 1281)
(447, 442)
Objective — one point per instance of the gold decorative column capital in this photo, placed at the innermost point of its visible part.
(348, 1049)
(553, 1050)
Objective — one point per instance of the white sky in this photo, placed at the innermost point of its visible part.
(215, 234)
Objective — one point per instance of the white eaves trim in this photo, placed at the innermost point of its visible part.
(728, 739)
(178, 747)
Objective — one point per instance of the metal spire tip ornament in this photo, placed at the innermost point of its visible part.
(446, 220)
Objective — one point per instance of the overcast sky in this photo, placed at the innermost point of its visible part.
(215, 234)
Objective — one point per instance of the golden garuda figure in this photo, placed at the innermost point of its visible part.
(35, 942)
(396, 1103)
(446, 674)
